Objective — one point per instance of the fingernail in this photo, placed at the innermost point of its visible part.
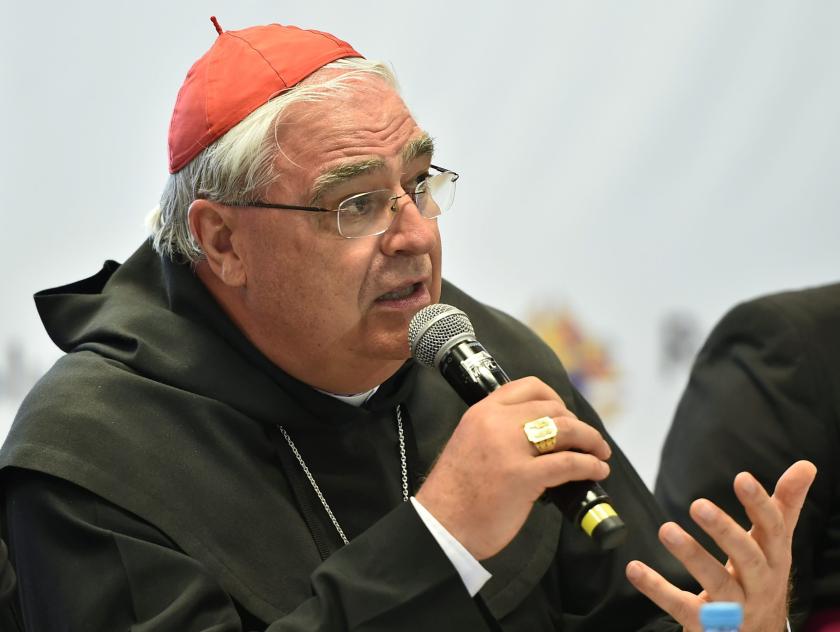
(705, 510)
(748, 485)
(634, 571)
(672, 535)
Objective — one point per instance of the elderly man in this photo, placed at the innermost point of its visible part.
(236, 438)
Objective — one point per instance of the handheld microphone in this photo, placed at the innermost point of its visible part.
(442, 336)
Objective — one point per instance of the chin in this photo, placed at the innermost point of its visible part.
(398, 353)
(388, 348)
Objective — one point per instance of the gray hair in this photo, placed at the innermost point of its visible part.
(237, 167)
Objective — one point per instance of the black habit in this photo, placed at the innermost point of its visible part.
(147, 486)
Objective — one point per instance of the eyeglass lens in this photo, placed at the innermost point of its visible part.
(370, 213)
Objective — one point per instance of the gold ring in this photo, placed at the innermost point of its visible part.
(542, 433)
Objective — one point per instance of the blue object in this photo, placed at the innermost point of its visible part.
(721, 616)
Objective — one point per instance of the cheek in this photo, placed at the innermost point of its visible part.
(306, 278)
(269, 256)
(437, 272)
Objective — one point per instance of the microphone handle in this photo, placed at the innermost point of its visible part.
(474, 374)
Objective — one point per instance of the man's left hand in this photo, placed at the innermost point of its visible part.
(758, 569)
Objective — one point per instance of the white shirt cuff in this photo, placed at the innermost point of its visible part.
(473, 574)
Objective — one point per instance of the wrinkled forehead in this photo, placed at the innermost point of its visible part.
(368, 122)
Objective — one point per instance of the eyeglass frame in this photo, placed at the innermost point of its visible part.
(319, 209)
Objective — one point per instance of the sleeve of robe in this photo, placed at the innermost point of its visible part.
(758, 400)
(90, 565)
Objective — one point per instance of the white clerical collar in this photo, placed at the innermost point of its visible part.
(354, 400)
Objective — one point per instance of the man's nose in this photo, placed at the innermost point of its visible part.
(409, 232)
(395, 201)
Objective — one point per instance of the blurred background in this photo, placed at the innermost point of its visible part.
(629, 171)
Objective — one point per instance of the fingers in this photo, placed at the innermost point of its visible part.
(744, 552)
(717, 581)
(769, 529)
(579, 449)
(774, 519)
(759, 561)
(791, 490)
(573, 434)
(520, 413)
(553, 469)
(529, 398)
(485, 481)
(527, 389)
(682, 605)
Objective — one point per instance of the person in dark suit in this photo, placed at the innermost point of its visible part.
(765, 390)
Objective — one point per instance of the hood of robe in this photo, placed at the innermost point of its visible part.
(163, 407)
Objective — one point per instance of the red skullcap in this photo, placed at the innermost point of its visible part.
(242, 71)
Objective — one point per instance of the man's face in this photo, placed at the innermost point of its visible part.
(318, 299)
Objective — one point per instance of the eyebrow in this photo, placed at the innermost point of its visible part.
(421, 146)
(342, 173)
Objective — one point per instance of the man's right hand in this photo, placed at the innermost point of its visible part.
(486, 480)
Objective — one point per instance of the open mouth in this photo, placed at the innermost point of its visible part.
(400, 293)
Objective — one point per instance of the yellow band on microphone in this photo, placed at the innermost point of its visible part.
(595, 516)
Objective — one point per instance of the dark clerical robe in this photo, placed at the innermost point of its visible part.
(147, 485)
(765, 392)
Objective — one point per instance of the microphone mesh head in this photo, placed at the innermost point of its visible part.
(433, 327)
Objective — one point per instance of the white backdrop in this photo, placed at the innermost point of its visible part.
(629, 162)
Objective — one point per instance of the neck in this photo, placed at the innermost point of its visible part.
(347, 381)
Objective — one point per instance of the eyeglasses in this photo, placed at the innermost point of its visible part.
(371, 213)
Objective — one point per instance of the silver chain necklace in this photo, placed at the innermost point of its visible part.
(403, 468)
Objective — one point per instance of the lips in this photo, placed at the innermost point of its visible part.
(400, 293)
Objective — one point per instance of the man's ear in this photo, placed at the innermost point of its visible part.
(212, 226)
